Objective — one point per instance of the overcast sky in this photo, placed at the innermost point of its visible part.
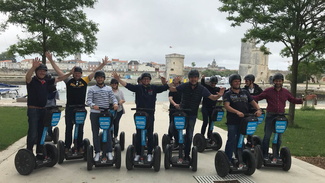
(147, 30)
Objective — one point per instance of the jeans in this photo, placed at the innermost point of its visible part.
(232, 141)
(268, 130)
(207, 119)
(69, 117)
(189, 135)
(172, 132)
(35, 129)
(107, 146)
(149, 135)
(117, 123)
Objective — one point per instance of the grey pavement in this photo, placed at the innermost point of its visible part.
(76, 170)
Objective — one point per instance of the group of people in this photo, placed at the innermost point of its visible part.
(237, 101)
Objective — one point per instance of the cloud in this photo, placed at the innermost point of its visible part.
(145, 29)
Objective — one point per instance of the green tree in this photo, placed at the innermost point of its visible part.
(193, 64)
(298, 24)
(56, 25)
(7, 56)
(223, 73)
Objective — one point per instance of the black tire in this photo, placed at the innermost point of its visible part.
(100, 135)
(249, 160)
(157, 158)
(56, 135)
(129, 157)
(256, 140)
(52, 153)
(164, 141)
(122, 141)
(285, 155)
(216, 138)
(134, 139)
(61, 151)
(86, 144)
(117, 156)
(25, 162)
(168, 153)
(90, 157)
(194, 159)
(221, 164)
(200, 142)
(155, 139)
(258, 156)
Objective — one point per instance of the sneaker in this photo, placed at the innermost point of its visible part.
(67, 151)
(39, 156)
(81, 150)
(137, 157)
(149, 158)
(110, 156)
(96, 158)
(187, 160)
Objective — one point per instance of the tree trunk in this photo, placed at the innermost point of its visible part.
(293, 84)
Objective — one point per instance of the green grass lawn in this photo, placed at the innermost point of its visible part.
(304, 139)
(13, 124)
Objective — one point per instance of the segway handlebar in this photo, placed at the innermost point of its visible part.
(143, 109)
(77, 105)
(180, 110)
(53, 107)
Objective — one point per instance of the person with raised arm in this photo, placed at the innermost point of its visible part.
(76, 95)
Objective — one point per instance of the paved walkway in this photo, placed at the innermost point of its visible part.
(76, 171)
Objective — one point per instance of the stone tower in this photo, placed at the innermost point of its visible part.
(77, 56)
(174, 65)
(253, 61)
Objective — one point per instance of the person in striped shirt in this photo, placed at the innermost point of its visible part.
(100, 96)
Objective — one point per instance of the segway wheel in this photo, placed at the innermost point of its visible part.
(52, 153)
(285, 155)
(155, 139)
(56, 134)
(122, 141)
(194, 159)
(86, 144)
(157, 158)
(61, 153)
(200, 142)
(134, 139)
(168, 153)
(25, 162)
(256, 140)
(129, 157)
(117, 156)
(258, 156)
(221, 164)
(101, 140)
(216, 138)
(90, 157)
(164, 142)
(249, 160)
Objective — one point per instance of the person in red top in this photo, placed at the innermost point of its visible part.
(276, 98)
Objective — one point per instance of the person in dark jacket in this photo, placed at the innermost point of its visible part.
(208, 105)
(253, 90)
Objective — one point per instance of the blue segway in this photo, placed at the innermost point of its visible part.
(80, 114)
(214, 141)
(140, 119)
(276, 159)
(105, 123)
(253, 141)
(246, 162)
(25, 160)
(180, 121)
